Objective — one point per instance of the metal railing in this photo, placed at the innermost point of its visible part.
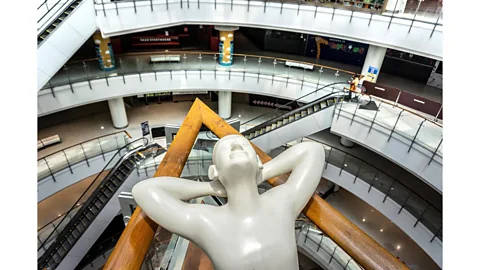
(414, 13)
(47, 9)
(66, 158)
(391, 118)
(56, 230)
(315, 240)
(139, 64)
(423, 211)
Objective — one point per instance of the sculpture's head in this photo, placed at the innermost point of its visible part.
(233, 159)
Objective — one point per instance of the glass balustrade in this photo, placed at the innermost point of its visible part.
(66, 158)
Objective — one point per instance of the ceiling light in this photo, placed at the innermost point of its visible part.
(363, 220)
(398, 247)
(381, 230)
(371, 210)
(239, 115)
(59, 214)
(346, 165)
(101, 127)
(391, 188)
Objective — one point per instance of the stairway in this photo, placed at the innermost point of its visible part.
(292, 116)
(45, 33)
(77, 226)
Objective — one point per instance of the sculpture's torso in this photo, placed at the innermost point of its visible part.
(263, 240)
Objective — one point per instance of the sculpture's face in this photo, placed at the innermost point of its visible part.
(234, 158)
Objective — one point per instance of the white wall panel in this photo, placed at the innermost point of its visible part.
(357, 28)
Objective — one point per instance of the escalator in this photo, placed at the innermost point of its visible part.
(59, 20)
(309, 118)
(60, 242)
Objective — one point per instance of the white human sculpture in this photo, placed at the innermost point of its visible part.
(251, 231)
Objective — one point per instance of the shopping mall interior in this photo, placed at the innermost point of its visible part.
(135, 91)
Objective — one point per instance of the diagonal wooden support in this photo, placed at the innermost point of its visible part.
(132, 246)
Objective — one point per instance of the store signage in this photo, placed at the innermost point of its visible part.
(372, 74)
(190, 93)
(158, 94)
(145, 128)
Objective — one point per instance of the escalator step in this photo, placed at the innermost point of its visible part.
(303, 113)
(61, 251)
(56, 257)
(70, 239)
(268, 128)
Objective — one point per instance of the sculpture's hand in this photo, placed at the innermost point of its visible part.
(218, 189)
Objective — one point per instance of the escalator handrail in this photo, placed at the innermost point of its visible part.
(287, 114)
(62, 10)
(72, 223)
(144, 141)
(296, 100)
(369, 164)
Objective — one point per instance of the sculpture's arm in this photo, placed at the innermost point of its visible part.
(305, 161)
(162, 200)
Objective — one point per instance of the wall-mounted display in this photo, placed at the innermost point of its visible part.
(334, 49)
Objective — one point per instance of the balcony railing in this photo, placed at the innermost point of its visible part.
(66, 158)
(415, 13)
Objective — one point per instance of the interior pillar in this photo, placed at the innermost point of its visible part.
(103, 48)
(225, 104)
(225, 49)
(373, 62)
(118, 113)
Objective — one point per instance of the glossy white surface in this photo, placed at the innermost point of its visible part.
(280, 16)
(251, 231)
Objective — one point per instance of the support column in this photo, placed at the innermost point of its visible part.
(224, 104)
(373, 62)
(346, 142)
(118, 113)
(103, 48)
(225, 49)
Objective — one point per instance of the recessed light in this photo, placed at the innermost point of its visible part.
(391, 188)
(59, 214)
(101, 127)
(363, 220)
(381, 230)
(239, 115)
(346, 165)
(398, 247)
(371, 210)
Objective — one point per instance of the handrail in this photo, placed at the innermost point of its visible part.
(298, 99)
(96, 138)
(135, 240)
(369, 164)
(145, 142)
(397, 106)
(334, 6)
